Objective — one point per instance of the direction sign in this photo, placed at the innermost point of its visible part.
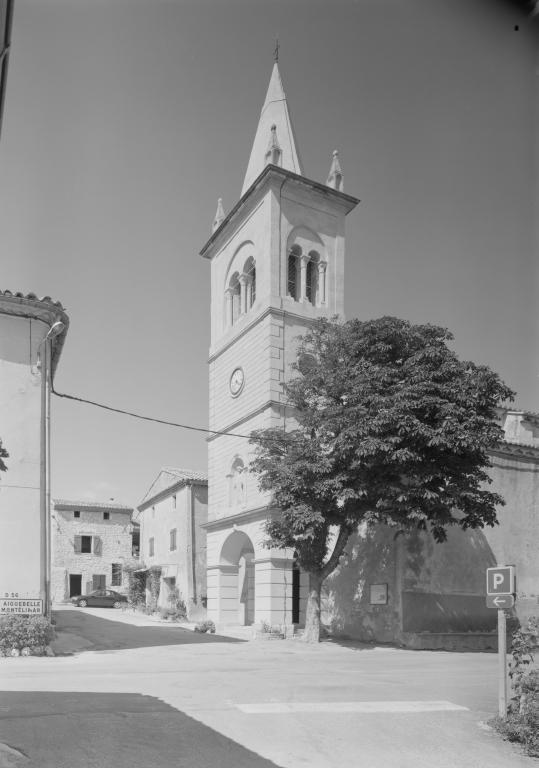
(500, 602)
(501, 580)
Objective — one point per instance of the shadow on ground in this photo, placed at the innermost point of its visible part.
(110, 635)
(111, 730)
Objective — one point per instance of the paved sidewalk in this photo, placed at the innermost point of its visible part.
(165, 697)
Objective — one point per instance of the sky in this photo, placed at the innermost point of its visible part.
(126, 120)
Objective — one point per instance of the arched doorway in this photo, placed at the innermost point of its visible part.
(237, 556)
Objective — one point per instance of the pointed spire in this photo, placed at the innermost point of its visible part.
(275, 112)
(335, 178)
(219, 216)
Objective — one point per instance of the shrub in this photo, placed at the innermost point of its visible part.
(18, 632)
(269, 629)
(172, 613)
(206, 626)
(521, 724)
(135, 581)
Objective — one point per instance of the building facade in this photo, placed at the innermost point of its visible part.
(435, 594)
(277, 262)
(172, 539)
(90, 543)
(28, 362)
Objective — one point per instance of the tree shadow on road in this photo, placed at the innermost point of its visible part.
(109, 635)
(112, 730)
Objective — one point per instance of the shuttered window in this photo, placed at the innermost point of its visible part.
(116, 575)
(173, 538)
(309, 278)
(98, 546)
(150, 547)
(77, 544)
(99, 581)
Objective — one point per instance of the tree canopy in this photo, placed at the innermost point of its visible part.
(3, 455)
(388, 426)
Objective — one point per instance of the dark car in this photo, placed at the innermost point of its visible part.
(100, 598)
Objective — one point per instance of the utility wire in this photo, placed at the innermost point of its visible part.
(158, 421)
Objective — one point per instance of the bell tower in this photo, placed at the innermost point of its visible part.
(277, 263)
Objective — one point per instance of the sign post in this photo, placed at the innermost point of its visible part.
(502, 665)
(500, 595)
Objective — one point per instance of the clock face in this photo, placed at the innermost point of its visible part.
(236, 381)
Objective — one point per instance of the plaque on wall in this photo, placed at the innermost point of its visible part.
(378, 594)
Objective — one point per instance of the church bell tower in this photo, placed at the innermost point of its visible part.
(277, 263)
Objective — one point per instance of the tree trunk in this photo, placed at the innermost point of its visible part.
(311, 633)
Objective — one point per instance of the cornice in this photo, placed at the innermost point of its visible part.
(270, 310)
(347, 201)
(235, 424)
(240, 518)
(516, 450)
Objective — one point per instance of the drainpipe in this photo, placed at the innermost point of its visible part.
(48, 360)
(191, 574)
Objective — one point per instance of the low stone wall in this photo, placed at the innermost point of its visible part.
(452, 641)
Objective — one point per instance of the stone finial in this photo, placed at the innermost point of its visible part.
(274, 151)
(219, 216)
(335, 178)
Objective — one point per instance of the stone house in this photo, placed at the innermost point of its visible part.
(90, 543)
(171, 537)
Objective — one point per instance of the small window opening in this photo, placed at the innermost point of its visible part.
(174, 502)
(173, 538)
(292, 276)
(116, 575)
(309, 281)
(253, 289)
(106, 515)
(153, 512)
(151, 547)
(76, 513)
(86, 545)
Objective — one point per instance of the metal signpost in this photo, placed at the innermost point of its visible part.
(500, 595)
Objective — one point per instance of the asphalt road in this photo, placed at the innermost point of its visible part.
(154, 696)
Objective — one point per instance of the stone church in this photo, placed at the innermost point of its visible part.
(277, 262)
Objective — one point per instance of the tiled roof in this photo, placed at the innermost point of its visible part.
(96, 506)
(516, 408)
(164, 482)
(187, 474)
(31, 297)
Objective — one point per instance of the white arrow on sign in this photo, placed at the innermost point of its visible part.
(498, 600)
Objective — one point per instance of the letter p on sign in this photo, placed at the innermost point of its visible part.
(501, 580)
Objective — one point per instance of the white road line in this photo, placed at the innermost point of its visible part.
(350, 706)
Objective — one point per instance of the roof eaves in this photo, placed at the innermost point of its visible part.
(275, 169)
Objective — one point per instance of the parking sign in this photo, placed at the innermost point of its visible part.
(501, 580)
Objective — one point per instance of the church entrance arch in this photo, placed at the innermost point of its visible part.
(238, 602)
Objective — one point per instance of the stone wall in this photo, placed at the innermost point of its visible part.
(115, 537)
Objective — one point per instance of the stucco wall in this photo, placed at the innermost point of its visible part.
(22, 560)
(116, 545)
(190, 575)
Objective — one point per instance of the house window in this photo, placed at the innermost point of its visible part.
(116, 575)
(173, 538)
(86, 545)
(76, 513)
(174, 502)
(106, 515)
(150, 547)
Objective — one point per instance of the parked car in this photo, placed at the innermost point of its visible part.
(100, 598)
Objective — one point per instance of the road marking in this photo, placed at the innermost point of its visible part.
(350, 706)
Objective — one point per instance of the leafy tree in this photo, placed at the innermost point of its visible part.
(3, 455)
(390, 428)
